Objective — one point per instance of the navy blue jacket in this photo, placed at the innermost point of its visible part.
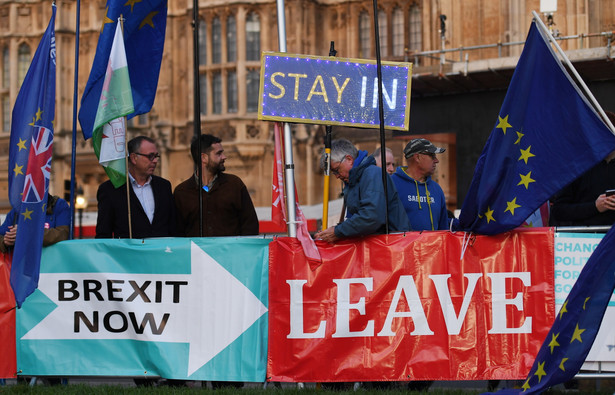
(365, 204)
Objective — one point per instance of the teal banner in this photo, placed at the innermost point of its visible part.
(174, 307)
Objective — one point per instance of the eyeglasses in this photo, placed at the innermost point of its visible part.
(430, 154)
(336, 170)
(152, 157)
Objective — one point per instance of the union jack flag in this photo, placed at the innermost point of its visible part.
(39, 166)
(30, 151)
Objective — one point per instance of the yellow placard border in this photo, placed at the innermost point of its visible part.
(261, 117)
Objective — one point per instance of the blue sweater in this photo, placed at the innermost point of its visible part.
(424, 202)
(365, 204)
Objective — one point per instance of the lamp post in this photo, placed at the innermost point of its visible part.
(80, 204)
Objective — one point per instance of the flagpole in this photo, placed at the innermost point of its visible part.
(381, 117)
(121, 21)
(197, 106)
(73, 156)
(289, 167)
(325, 197)
(574, 71)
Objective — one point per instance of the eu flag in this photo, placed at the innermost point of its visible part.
(144, 29)
(575, 328)
(30, 162)
(546, 135)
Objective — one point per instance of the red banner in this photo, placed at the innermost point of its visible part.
(408, 307)
(8, 364)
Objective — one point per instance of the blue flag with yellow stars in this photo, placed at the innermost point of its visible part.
(546, 135)
(145, 24)
(30, 154)
(575, 328)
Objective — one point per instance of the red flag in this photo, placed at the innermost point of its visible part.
(278, 205)
(278, 209)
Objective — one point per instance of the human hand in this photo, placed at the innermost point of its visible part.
(604, 203)
(10, 236)
(327, 235)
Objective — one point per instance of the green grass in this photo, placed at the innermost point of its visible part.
(85, 389)
(123, 386)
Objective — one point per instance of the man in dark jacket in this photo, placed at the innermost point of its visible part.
(363, 194)
(227, 206)
(152, 211)
(586, 202)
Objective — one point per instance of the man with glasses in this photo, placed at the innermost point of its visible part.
(422, 197)
(363, 195)
(152, 211)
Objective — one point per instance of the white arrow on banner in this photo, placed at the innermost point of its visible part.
(208, 309)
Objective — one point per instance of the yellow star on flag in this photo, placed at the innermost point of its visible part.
(577, 334)
(553, 343)
(563, 310)
(526, 179)
(148, 20)
(27, 214)
(18, 169)
(489, 215)
(526, 385)
(132, 3)
(519, 136)
(511, 206)
(540, 371)
(21, 144)
(586, 300)
(526, 154)
(33, 121)
(105, 20)
(38, 114)
(503, 124)
(561, 364)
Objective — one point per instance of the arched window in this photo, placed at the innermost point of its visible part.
(253, 37)
(365, 40)
(231, 91)
(6, 69)
(216, 41)
(398, 32)
(23, 62)
(382, 30)
(252, 82)
(217, 92)
(416, 38)
(231, 39)
(4, 98)
(6, 114)
(202, 42)
(203, 93)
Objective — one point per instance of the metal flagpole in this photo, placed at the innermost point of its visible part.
(74, 142)
(381, 116)
(591, 97)
(325, 197)
(197, 106)
(129, 213)
(289, 166)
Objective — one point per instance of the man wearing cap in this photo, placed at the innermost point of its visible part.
(364, 196)
(422, 197)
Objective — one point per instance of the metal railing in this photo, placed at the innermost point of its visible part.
(440, 54)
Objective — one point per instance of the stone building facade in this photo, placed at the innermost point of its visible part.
(232, 35)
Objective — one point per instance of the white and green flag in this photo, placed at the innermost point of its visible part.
(115, 103)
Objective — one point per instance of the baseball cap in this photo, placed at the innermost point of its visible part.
(416, 146)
